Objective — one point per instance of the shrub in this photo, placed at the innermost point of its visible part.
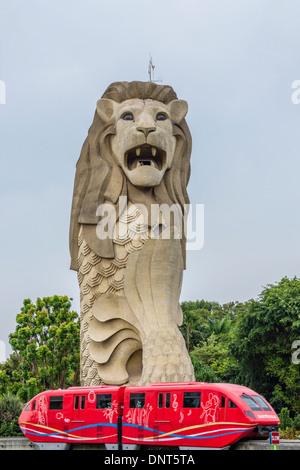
(289, 433)
(297, 422)
(10, 410)
(285, 419)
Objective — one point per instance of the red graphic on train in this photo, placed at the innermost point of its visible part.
(184, 415)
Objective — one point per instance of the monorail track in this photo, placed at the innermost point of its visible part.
(22, 443)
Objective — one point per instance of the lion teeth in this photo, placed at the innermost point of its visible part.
(153, 149)
(138, 151)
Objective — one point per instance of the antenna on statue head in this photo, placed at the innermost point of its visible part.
(151, 68)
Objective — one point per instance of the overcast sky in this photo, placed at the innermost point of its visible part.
(234, 61)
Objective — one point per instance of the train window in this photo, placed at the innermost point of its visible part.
(250, 402)
(160, 400)
(231, 404)
(223, 400)
(56, 403)
(79, 399)
(168, 400)
(137, 400)
(33, 405)
(262, 402)
(82, 405)
(191, 399)
(103, 401)
(27, 407)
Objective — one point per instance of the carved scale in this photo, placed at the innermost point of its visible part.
(111, 347)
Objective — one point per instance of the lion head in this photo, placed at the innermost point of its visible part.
(138, 145)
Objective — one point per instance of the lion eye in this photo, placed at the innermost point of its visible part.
(128, 117)
(161, 117)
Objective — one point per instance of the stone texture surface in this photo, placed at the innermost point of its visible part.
(130, 260)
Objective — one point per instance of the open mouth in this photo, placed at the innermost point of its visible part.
(145, 155)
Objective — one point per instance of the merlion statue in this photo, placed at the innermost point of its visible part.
(127, 240)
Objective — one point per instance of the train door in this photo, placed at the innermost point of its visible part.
(163, 406)
(78, 408)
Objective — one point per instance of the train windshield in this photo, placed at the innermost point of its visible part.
(262, 402)
(250, 402)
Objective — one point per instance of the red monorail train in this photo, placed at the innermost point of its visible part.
(185, 415)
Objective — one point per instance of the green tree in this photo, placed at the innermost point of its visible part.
(191, 328)
(46, 345)
(203, 372)
(264, 334)
(213, 355)
(217, 326)
(10, 410)
(285, 419)
(207, 327)
(9, 376)
(200, 320)
(297, 422)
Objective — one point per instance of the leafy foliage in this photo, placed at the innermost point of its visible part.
(10, 409)
(262, 343)
(248, 343)
(46, 348)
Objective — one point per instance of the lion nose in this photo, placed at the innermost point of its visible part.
(146, 130)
